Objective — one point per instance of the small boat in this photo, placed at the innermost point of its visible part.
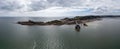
(77, 27)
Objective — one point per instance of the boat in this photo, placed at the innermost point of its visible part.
(77, 27)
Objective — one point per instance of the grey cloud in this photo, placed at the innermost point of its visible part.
(9, 6)
(99, 6)
(41, 4)
(38, 5)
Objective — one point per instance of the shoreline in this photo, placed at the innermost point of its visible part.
(66, 21)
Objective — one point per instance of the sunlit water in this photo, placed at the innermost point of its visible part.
(103, 34)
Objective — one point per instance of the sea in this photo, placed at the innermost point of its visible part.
(99, 34)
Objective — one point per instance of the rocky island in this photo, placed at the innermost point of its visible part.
(66, 21)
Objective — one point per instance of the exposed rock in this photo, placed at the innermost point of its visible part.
(67, 21)
(30, 22)
(55, 22)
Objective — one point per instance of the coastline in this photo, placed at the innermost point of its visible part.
(67, 21)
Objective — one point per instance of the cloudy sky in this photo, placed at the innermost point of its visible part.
(59, 7)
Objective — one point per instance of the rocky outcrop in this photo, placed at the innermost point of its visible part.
(66, 21)
(30, 22)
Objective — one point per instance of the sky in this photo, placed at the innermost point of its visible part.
(59, 7)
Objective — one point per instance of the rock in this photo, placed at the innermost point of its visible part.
(68, 21)
(31, 23)
(55, 22)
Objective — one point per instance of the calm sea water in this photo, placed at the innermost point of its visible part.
(103, 34)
